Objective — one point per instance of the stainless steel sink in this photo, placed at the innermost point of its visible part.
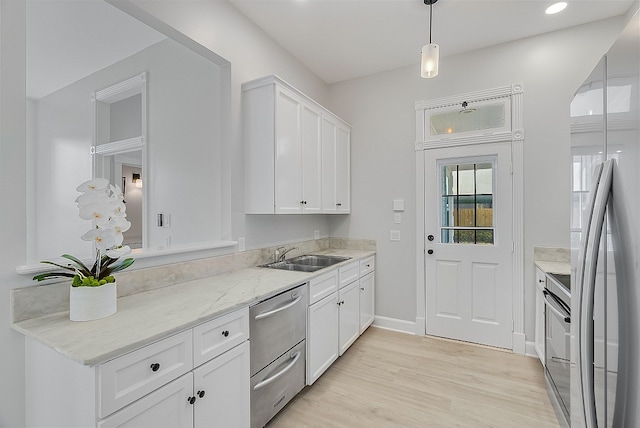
(306, 263)
(313, 260)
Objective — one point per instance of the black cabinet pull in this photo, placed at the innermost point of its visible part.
(429, 251)
(191, 400)
(225, 333)
(200, 394)
(155, 367)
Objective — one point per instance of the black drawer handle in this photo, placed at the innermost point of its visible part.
(155, 367)
(191, 400)
(200, 394)
(225, 333)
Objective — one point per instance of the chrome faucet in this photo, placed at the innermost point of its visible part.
(280, 255)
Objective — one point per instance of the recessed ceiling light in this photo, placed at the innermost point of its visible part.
(556, 7)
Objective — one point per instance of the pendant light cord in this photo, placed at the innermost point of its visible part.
(430, 20)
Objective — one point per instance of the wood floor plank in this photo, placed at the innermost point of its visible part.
(389, 379)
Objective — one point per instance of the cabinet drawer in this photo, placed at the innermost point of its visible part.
(322, 286)
(367, 265)
(219, 335)
(349, 273)
(127, 378)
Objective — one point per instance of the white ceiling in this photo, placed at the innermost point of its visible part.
(336, 39)
(344, 39)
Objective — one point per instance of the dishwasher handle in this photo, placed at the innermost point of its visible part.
(280, 309)
(268, 380)
(551, 304)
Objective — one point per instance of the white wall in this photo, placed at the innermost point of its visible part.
(12, 208)
(381, 110)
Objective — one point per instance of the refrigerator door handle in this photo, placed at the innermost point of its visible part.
(588, 280)
(579, 281)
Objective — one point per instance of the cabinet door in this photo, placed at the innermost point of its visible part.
(349, 315)
(311, 157)
(322, 336)
(221, 388)
(329, 128)
(367, 301)
(168, 407)
(336, 166)
(288, 168)
(343, 169)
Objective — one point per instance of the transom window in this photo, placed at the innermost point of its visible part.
(467, 196)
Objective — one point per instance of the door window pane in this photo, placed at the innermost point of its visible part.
(468, 119)
(467, 203)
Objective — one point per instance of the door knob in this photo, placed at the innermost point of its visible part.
(429, 251)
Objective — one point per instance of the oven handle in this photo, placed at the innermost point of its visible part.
(554, 309)
(268, 380)
(280, 309)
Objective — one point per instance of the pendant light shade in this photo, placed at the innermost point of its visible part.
(430, 51)
(430, 59)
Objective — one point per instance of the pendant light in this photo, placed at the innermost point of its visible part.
(430, 51)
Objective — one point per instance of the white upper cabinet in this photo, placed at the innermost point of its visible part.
(296, 152)
(336, 170)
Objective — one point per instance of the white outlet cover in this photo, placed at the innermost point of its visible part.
(240, 244)
(395, 235)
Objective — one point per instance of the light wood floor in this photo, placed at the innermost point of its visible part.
(390, 379)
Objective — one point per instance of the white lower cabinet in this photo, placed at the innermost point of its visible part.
(349, 315)
(165, 407)
(335, 321)
(215, 394)
(221, 389)
(322, 336)
(540, 315)
(196, 378)
(367, 301)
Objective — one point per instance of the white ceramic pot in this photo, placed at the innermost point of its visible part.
(92, 303)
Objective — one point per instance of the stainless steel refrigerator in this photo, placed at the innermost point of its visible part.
(605, 276)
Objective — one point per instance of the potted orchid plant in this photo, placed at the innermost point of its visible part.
(102, 203)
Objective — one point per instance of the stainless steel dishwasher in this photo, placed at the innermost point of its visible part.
(277, 330)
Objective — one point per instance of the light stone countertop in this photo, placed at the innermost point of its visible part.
(561, 268)
(149, 316)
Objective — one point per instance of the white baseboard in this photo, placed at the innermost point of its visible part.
(531, 349)
(395, 324)
(421, 325)
(519, 343)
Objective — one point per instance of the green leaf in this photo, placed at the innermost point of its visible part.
(118, 267)
(50, 275)
(79, 264)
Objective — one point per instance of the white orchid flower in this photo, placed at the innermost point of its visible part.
(118, 252)
(119, 225)
(90, 198)
(95, 185)
(99, 213)
(104, 239)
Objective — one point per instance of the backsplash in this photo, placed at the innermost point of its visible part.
(552, 254)
(40, 300)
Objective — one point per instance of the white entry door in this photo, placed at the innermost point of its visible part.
(468, 242)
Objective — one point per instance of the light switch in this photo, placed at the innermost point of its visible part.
(397, 218)
(398, 204)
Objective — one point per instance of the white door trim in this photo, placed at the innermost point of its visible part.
(515, 92)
